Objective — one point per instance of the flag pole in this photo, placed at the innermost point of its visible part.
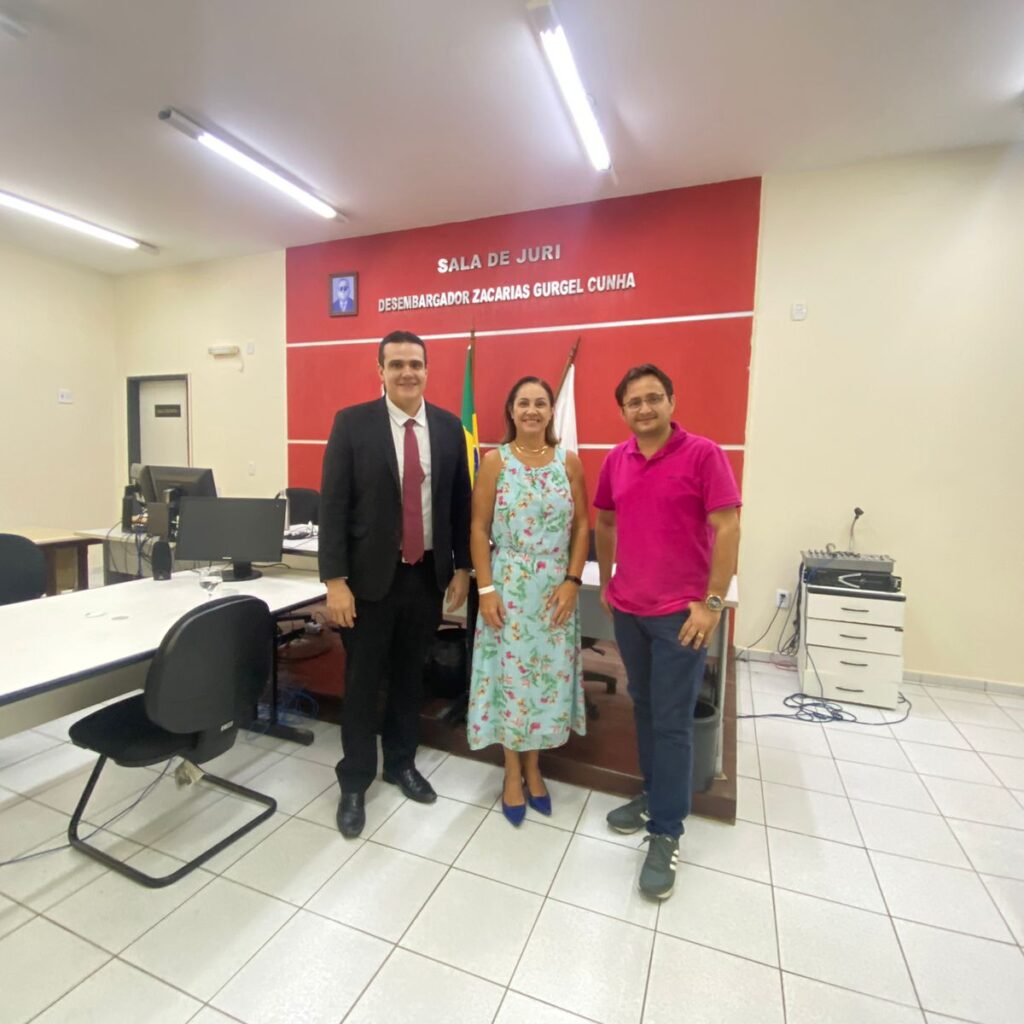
(468, 416)
(456, 711)
(568, 363)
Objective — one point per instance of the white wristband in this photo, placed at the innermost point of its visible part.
(485, 590)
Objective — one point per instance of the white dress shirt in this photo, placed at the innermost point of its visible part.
(398, 421)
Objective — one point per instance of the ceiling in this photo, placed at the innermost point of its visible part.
(405, 113)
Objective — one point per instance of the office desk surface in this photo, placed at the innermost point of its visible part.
(307, 545)
(55, 641)
(298, 546)
(43, 535)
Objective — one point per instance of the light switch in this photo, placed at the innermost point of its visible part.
(250, 348)
(798, 311)
(252, 469)
(64, 396)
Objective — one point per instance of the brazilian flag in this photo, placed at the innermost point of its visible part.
(469, 427)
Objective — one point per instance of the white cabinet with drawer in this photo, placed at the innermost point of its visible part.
(854, 636)
(851, 645)
(855, 606)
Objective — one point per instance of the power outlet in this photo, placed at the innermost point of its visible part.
(782, 598)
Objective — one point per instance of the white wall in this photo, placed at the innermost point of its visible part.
(902, 392)
(166, 322)
(56, 331)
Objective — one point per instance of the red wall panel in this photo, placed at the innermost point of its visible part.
(304, 465)
(707, 361)
(692, 253)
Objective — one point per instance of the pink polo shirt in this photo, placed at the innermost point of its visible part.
(661, 505)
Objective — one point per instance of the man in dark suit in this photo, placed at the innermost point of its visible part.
(394, 535)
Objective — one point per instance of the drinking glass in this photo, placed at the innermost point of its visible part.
(210, 579)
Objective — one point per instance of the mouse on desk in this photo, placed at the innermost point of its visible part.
(301, 530)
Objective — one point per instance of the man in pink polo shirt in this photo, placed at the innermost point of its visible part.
(667, 520)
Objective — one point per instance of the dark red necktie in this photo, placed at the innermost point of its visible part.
(412, 501)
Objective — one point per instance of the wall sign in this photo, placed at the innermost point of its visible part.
(519, 292)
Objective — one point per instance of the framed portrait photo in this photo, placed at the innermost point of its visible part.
(343, 296)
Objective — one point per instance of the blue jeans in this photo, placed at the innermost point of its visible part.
(664, 682)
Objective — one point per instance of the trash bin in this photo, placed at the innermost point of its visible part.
(706, 718)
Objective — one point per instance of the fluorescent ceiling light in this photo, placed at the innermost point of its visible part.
(556, 48)
(14, 28)
(65, 220)
(260, 168)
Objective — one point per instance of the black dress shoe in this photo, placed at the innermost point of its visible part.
(351, 816)
(412, 784)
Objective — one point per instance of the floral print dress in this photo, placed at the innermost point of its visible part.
(526, 691)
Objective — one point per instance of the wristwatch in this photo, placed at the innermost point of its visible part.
(714, 603)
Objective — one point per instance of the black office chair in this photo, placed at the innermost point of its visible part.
(203, 681)
(303, 505)
(22, 569)
(590, 644)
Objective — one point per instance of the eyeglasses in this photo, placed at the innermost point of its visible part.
(653, 400)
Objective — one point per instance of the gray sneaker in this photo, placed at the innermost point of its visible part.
(630, 817)
(658, 875)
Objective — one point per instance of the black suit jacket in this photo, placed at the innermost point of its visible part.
(361, 499)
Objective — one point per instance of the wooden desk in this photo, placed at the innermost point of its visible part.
(54, 543)
(75, 650)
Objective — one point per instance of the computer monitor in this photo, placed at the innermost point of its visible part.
(191, 481)
(237, 530)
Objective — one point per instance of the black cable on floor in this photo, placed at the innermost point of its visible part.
(817, 709)
(98, 828)
(809, 708)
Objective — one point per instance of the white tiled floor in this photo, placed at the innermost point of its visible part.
(874, 876)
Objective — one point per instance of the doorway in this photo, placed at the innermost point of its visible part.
(159, 421)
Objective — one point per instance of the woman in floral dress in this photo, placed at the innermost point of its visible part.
(526, 693)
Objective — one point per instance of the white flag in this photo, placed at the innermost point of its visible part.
(565, 412)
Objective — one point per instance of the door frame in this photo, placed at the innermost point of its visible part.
(134, 426)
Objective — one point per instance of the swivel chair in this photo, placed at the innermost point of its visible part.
(22, 569)
(203, 681)
(303, 505)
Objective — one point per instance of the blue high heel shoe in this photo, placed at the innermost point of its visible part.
(514, 813)
(541, 804)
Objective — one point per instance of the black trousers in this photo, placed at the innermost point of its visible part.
(387, 645)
